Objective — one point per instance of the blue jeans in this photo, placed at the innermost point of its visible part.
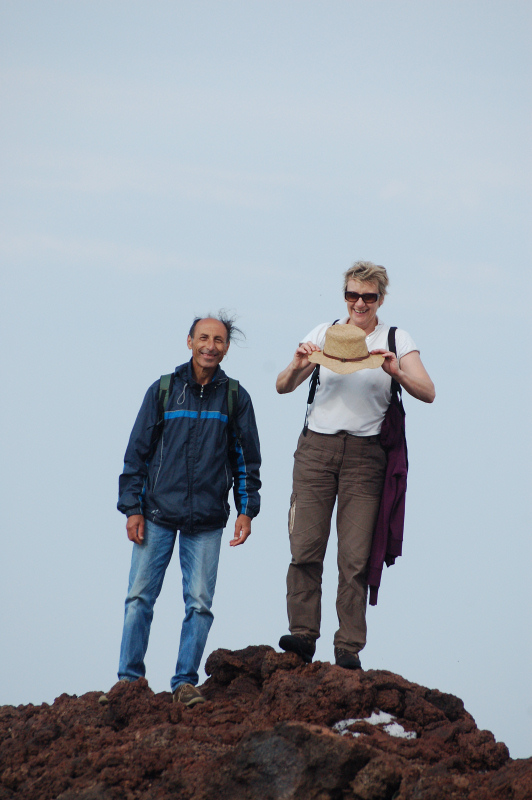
(199, 554)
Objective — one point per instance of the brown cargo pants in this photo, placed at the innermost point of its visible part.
(327, 466)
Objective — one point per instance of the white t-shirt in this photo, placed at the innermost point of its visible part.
(355, 403)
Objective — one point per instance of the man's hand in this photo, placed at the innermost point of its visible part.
(242, 530)
(135, 528)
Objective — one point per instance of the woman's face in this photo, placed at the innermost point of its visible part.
(360, 313)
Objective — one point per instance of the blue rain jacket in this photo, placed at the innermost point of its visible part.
(181, 476)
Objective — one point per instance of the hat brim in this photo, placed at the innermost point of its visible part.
(345, 367)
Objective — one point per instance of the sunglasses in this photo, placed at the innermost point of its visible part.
(369, 297)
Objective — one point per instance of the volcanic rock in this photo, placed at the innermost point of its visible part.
(273, 729)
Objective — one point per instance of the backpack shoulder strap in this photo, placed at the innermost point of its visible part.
(392, 347)
(232, 399)
(165, 385)
(314, 383)
(391, 339)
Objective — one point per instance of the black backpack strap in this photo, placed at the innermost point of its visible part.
(314, 383)
(232, 405)
(392, 347)
(232, 398)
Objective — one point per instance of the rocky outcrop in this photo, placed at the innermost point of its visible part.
(274, 729)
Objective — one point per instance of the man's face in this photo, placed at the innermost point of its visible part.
(209, 344)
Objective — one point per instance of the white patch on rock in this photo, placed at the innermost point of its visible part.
(397, 730)
(341, 727)
(378, 717)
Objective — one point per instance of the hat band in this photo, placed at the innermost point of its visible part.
(337, 358)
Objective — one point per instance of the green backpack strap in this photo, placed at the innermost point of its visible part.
(164, 392)
(165, 387)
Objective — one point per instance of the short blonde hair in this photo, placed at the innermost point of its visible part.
(365, 271)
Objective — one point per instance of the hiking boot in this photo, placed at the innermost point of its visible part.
(188, 695)
(303, 646)
(346, 659)
(103, 699)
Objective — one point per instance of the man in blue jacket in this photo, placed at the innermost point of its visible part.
(178, 469)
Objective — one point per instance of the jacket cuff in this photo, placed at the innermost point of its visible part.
(131, 511)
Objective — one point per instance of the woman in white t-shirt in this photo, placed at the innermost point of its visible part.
(341, 459)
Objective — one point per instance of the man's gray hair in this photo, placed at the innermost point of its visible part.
(365, 271)
(225, 319)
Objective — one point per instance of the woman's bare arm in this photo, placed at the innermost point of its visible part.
(412, 375)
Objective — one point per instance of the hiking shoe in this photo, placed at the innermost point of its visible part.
(188, 695)
(346, 659)
(103, 699)
(303, 646)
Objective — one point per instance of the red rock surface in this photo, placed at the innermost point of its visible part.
(265, 734)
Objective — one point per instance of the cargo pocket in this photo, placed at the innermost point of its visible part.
(292, 514)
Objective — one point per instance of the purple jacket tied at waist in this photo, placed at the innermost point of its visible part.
(388, 536)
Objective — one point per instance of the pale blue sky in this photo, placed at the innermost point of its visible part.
(166, 159)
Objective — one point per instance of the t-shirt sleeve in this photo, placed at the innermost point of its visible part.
(317, 335)
(404, 343)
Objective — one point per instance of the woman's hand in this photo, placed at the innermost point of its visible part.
(390, 364)
(300, 359)
(411, 374)
(298, 370)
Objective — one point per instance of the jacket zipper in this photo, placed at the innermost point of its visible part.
(160, 461)
(192, 465)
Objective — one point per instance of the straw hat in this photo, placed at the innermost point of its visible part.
(345, 351)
